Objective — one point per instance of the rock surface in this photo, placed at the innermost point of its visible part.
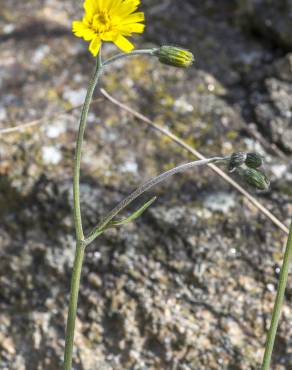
(272, 19)
(191, 284)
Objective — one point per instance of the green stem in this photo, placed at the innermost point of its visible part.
(278, 304)
(80, 137)
(126, 55)
(75, 284)
(80, 245)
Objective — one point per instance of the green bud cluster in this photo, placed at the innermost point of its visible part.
(251, 160)
(175, 56)
(247, 165)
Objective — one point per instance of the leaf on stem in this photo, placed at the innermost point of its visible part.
(133, 216)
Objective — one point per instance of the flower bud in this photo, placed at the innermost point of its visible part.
(236, 161)
(174, 56)
(255, 178)
(254, 160)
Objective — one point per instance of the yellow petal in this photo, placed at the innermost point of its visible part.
(81, 30)
(88, 34)
(95, 46)
(109, 36)
(128, 29)
(90, 7)
(125, 8)
(109, 4)
(86, 20)
(114, 5)
(124, 44)
(78, 28)
(133, 18)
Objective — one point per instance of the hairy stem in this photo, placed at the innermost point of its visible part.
(142, 189)
(78, 151)
(278, 304)
(80, 245)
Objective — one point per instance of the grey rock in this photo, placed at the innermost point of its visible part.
(273, 19)
(273, 110)
(222, 202)
(283, 68)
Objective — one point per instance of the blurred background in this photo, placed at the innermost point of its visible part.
(191, 284)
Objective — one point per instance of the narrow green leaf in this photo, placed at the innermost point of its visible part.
(133, 216)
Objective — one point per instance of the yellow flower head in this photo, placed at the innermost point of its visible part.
(109, 20)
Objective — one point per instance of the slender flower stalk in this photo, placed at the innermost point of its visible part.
(75, 284)
(278, 304)
(76, 191)
(80, 245)
(133, 53)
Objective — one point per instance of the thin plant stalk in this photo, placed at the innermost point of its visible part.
(80, 244)
(278, 304)
(75, 285)
(78, 151)
(127, 55)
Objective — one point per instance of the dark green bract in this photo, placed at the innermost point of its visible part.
(255, 178)
(254, 160)
(236, 160)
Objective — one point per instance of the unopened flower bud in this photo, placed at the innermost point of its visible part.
(254, 160)
(174, 56)
(236, 161)
(255, 178)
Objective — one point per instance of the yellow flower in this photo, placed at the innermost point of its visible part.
(109, 20)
